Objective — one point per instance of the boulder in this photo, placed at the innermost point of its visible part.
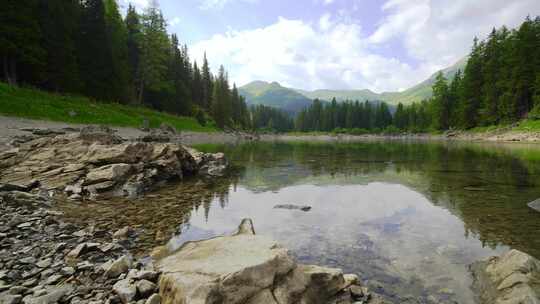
(244, 268)
(119, 266)
(511, 278)
(126, 290)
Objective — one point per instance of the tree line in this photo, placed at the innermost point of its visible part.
(499, 85)
(87, 47)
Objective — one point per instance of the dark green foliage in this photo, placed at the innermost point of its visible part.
(271, 119)
(21, 55)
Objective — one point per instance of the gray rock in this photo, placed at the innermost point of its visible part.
(511, 279)
(53, 296)
(154, 299)
(28, 260)
(293, 207)
(125, 290)
(121, 265)
(535, 205)
(68, 271)
(145, 288)
(124, 233)
(53, 279)
(75, 252)
(15, 290)
(149, 275)
(44, 263)
(10, 299)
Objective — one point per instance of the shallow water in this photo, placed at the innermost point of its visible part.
(407, 217)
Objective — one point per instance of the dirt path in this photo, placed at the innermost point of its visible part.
(13, 126)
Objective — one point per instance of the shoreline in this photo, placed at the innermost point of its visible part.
(13, 127)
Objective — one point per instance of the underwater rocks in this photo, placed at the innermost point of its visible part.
(95, 163)
(249, 268)
(293, 207)
(511, 278)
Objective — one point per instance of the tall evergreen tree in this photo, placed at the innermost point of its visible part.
(134, 40)
(61, 71)
(21, 54)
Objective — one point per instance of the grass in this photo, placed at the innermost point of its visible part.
(528, 125)
(36, 104)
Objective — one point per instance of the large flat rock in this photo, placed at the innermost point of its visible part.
(245, 268)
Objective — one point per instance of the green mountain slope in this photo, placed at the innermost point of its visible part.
(292, 100)
(422, 90)
(274, 95)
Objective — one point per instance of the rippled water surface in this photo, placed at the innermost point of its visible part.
(407, 217)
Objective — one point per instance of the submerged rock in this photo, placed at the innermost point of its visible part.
(535, 205)
(293, 207)
(511, 278)
(246, 268)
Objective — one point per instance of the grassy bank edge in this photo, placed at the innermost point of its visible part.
(35, 104)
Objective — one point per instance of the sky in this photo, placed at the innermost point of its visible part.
(381, 45)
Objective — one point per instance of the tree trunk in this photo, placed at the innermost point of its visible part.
(13, 71)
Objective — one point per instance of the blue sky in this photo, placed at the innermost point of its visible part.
(382, 45)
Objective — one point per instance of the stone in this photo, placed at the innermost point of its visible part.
(100, 134)
(10, 299)
(293, 207)
(154, 299)
(68, 271)
(28, 260)
(114, 172)
(125, 290)
(44, 263)
(145, 288)
(119, 266)
(53, 279)
(510, 278)
(123, 233)
(23, 187)
(535, 205)
(244, 268)
(15, 290)
(75, 252)
(149, 275)
(53, 295)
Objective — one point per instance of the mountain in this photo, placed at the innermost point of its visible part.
(422, 90)
(274, 95)
(292, 100)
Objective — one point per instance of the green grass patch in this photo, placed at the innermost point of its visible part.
(528, 125)
(36, 104)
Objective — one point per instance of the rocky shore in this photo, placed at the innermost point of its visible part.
(95, 163)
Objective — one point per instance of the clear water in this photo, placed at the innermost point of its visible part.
(407, 217)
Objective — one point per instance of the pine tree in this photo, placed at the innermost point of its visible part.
(134, 37)
(207, 82)
(95, 58)
(117, 42)
(59, 22)
(197, 86)
(155, 51)
(21, 54)
(472, 88)
(441, 104)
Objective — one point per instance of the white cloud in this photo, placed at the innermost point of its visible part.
(440, 32)
(328, 2)
(297, 54)
(174, 21)
(219, 4)
(335, 52)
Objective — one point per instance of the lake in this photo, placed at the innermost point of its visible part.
(407, 217)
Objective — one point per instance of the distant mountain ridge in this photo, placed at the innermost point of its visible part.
(293, 100)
